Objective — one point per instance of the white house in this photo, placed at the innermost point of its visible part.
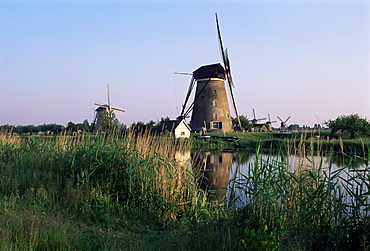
(178, 128)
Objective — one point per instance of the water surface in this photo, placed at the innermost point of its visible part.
(223, 171)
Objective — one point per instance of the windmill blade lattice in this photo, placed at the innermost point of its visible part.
(226, 62)
(107, 106)
(270, 119)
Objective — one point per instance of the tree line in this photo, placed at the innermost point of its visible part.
(347, 126)
(32, 129)
(106, 124)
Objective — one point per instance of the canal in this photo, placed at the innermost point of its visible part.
(228, 175)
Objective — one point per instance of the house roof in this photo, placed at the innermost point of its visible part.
(170, 125)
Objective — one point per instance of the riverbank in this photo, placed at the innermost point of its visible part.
(318, 141)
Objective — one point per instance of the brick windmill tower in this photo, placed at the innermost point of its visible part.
(210, 108)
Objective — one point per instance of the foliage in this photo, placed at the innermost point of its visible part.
(165, 119)
(352, 124)
(107, 122)
(244, 121)
(31, 129)
(51, 128)
(80, 127)
(141, 126)
(293, 127)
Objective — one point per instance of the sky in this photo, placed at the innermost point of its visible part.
(307, 59)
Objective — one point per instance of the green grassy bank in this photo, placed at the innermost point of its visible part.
(317, 141)
(100, 192)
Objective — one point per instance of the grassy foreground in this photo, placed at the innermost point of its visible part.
(134, 193)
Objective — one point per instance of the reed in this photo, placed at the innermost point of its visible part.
(93, 178)
(97, 191)
(304, 206)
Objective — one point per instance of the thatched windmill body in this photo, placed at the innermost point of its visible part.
(104, 113)
(210, 108)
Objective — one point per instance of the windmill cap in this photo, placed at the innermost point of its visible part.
(210, 71)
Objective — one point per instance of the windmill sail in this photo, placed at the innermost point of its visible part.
(190, 89)
(226, 62)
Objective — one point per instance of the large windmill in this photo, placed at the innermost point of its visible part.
(210, 108)
(104, 112)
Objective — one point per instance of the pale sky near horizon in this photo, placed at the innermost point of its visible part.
(306, 59)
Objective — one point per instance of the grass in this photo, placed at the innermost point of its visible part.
(99, 192)
(136, 192)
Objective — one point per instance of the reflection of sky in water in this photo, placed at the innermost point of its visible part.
(237, 170)
(224, 172)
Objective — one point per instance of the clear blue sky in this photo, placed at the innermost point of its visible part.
(288, 58)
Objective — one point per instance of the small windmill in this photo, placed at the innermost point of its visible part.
(321, 125)
(269, 124)
(283, 125)
(255, 120)
(104, 108)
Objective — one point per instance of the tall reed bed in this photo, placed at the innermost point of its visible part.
(90, 179)
(304, 205)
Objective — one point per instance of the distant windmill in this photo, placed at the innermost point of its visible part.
(255, 120)
(283, 125)
(321, 123)
(104, 108)
(269, 124)
(210, 108)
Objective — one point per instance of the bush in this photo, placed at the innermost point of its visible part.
(352, 125)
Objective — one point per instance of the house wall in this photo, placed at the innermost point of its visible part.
(182, 131)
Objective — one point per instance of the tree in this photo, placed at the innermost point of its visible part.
(71, 127)
(244, 121)
(165, 119)
(85, 126)
(293, 127)
(352, 124)
(8, 128)
(50, 128)
(80, 127)
(107, 122)
(141, 126)
(26, 129)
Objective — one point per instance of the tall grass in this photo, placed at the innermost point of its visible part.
(93, 179)
(137, 192)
